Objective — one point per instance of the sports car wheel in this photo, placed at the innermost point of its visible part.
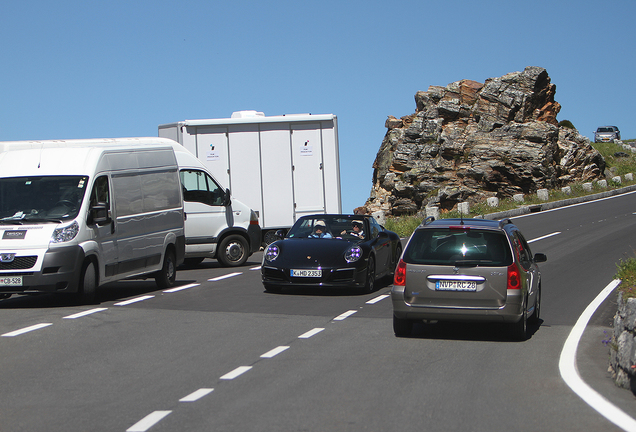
(369, 284)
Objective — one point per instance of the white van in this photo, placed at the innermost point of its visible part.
(217, 225)
(77, 214)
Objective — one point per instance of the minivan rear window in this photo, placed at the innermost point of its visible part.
(444, 246)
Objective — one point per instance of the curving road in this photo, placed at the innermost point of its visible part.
(221, 354)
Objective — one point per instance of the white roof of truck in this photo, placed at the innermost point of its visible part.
(247, 117)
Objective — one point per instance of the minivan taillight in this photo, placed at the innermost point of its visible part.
(400, 274)
(514, 277)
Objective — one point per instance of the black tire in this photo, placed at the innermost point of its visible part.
(232, 251)
(193, 262)
(534, 319)
(402, 327)
(519, 330)
(88, 284)
(396, 259)
(273, 288)
(369, 283)
(167, 276)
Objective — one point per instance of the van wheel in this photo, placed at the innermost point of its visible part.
(88, 284)
(166, 277)
(232, 251)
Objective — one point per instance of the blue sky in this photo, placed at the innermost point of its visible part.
(88, 69)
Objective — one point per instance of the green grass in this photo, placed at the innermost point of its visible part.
(627, 274)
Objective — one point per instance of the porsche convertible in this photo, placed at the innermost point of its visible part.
(334, 250)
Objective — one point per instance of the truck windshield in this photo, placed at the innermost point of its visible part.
(41, 199)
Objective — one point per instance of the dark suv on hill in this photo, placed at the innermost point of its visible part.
(467, 270)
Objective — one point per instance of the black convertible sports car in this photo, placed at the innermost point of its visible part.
(334, 250)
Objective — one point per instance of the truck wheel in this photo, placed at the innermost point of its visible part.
(88, 284)
(232, 251)
(166, 277)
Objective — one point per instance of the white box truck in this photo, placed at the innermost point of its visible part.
(283, 167)
(78, 214)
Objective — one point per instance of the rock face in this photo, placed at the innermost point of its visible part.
(469, 141)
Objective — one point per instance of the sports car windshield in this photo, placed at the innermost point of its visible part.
(40, 199)
(328, 227)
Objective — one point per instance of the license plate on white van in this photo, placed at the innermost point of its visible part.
(306, 273)
(455, 285)
(10, 280)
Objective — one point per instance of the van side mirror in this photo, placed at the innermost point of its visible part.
(99, 214)
(226, 199)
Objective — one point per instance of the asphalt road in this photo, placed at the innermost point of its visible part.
(223, 355)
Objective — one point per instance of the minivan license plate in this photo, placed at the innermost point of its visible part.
(306, 273)
(10, 280)
(455, 285)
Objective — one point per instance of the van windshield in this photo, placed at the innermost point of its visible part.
(41, 199)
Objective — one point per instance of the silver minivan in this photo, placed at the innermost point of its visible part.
(467, 270)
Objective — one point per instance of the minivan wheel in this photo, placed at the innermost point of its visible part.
(534, 319)
(402, 327)
(232, 251)
(520, 328)
(166, 277)
(88, 284)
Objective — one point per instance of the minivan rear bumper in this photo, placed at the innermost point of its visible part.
(60, 272)
(510, 312)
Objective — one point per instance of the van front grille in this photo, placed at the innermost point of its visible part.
(19, 263)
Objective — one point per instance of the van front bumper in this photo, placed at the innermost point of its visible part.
(60, 272)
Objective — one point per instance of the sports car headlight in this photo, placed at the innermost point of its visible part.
(353, 254)
(67, 233)
(271, 253)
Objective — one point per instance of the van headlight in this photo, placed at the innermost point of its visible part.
(65, 234)
(271, 253)
(353, 254)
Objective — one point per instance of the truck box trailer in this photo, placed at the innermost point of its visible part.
(283, 167)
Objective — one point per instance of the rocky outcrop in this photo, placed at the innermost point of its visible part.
(469, 141)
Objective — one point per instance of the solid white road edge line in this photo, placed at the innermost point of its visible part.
(344, 315)
(236, 372)
(149, 421)
(310, 333)
(88, 312)
(135, 300)
(195, 396)
(569, 372)
(224, 277)
(26, 330)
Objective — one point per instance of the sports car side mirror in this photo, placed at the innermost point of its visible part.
(539, 258)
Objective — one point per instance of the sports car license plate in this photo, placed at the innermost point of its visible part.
(306, 273)
(455, 285)
(10, 280)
